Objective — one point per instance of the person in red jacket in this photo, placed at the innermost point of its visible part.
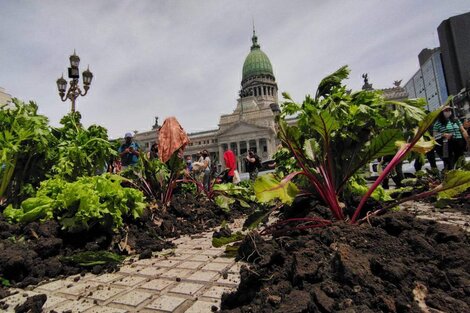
(230, 165)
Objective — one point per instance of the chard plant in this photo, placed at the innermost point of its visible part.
(338, 132)
(80, 151)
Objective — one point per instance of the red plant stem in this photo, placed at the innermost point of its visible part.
(327, 194)
(397, 158)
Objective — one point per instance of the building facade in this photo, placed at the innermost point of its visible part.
(251, 125)
(454, 39)
(429, 81)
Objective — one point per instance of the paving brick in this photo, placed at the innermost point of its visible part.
(232, 279)
(132, 298)
(80, 288)
(224, 260)
(146, 262)
(202, 306)
(106, 293)
(213, 252)
(107, 278)
(215, 266)
(216, 291)
(103, 309)
(157, 284)
(187, 288)
(176, 272)
(204, 276)
(153, 271)
(129, 281)
(190, 264)
(131, 269)
(179, 256)
(200, 257)
(167, 263)
(76, 306)
(166, 303)
(53, 301)
(55, 285)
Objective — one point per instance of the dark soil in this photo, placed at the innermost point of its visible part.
(388, 266)
(190, 214)
(32, 253)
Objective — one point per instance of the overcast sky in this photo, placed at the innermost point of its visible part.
(185, 58)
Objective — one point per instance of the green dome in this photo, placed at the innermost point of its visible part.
(257, 62)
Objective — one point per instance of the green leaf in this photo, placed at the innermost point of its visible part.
(267, 188)
(384, 144)
(219, 242)
(324, 124)
(224, 202)
(312, 149)
(455, 183)
(334, 80)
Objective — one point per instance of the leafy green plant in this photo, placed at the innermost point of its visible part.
(25, 155)
(149, 176)
(80, 151)
(338, 132)
(81, 204)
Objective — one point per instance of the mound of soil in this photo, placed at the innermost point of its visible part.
(191, 214)
(396, 264)
(32, 253)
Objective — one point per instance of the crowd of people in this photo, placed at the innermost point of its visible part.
(203, 169)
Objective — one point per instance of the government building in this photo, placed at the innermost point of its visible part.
(251, 125)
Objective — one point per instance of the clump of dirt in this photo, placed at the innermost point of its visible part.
(397, 263)
(33, 304)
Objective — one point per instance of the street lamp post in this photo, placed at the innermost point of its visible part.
(74, 90)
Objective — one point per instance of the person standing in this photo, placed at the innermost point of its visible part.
(206, 160)
(253, 162)
(153, 153)
(129, 152)
(230, 165)
(189, 164)
(451, 136)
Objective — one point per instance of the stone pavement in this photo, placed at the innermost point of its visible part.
(190, 279)
(445, 215)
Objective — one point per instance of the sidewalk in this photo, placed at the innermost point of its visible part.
(190, 278)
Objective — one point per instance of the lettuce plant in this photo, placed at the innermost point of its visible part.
(338, 133)
(81, 204)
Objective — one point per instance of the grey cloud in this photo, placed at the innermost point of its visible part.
(184, 58)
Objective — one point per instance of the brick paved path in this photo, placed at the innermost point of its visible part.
(445, 215)
(190, 278)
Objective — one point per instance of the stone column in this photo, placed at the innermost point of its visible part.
(221, 157)
(258, 152)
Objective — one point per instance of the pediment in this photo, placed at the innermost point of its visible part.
(242, 127)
